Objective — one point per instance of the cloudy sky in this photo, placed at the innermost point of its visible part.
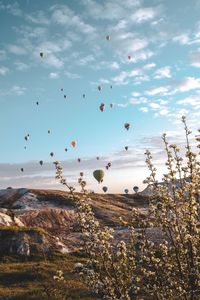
(152, 62)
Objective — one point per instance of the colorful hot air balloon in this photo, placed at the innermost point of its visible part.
(73, 143)
(98, 175)
(102, 107)
(126, 191)
(104, 188)
(136, 189)
(126, 148)
(127, 126)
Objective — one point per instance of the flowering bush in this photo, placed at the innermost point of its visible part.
(142, 267)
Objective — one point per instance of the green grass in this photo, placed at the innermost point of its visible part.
(23, 279)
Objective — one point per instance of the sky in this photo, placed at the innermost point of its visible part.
(151, 60)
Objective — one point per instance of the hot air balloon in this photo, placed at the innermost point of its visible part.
(66, 149)
(97, 157)
(22, 169)
(111, 86)
(104, 188)
(126, 148)
(98, 175)
(127, 126)
(102, 107)
(61, 89)
(79, 160)
(99, 88)
(108, 38)
(49, 131)
(41, 54)
(83, 95)
(111, 105)
(73, 143)
(81, 174)
(136, 189)
(107, 167)
(65, 96)
(129, 57)
(51, 154)
(109, 164)
(37, 103)
(26, 138)
(41, 162)
(126, 191)
(25, 147)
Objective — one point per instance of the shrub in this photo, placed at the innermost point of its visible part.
(139, 266)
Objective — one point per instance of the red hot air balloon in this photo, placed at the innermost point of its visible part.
(102, 107)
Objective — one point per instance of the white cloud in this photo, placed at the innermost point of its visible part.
(20, 66)
(53, 75)
(158, 90)
(63, 15)
(2, 54)
(12, 9)
(18, 90)
(72, 75)
(193, 100)
(17, 50)
(138, 100)
(4, 71)
(164, 72)
(38, 18)
(187, 84)
(195, 59)
(144, 14)
(144, 109)
(183, 39)
(149, 66)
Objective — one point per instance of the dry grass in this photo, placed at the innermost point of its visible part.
(27, 279)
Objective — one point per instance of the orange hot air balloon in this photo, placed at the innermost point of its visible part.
(73, 143)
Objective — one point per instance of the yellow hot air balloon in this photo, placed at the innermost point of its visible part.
(73, 143)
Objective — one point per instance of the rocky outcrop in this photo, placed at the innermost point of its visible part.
(28, 241)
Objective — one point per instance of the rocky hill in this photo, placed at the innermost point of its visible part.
(45, 220)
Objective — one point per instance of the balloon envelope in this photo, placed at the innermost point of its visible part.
(73, 143)
(98, 175)
(105, 189)
(126, 191)
(136, 189)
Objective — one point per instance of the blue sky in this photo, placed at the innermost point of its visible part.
(151, 91)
